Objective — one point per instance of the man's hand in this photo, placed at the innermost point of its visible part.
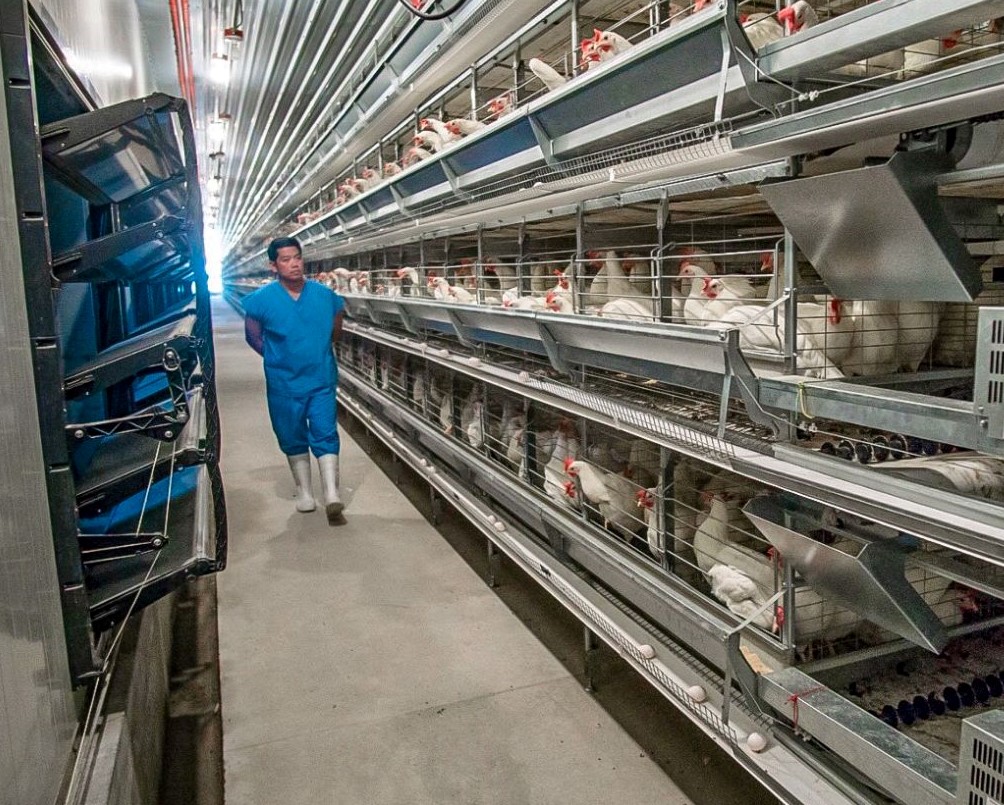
(252, 334)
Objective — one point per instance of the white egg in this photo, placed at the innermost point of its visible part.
(697, 693)
(756, 742)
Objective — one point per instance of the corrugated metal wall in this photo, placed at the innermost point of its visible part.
(122, 48)
(37, 718)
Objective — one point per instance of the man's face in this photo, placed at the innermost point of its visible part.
(288, 264)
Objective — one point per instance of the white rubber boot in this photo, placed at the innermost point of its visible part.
(300, 465)
(333, 505)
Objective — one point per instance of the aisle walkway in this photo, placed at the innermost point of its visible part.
(368, 664)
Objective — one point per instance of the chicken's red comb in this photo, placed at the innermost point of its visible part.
(706, 283)
(569, 488)
(767, 261)
(597, 34)
(951, 40)
(568, 464)
(836, 310)
(551, 296)
(787, 16)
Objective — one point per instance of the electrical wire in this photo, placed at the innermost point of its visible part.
(432, 17)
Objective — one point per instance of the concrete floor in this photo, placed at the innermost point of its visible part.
(369, 663)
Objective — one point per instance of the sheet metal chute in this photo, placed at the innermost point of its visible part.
(880, 228)
(870, 580)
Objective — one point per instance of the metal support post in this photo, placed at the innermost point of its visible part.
(578, 280)
(665, 513)
(474, 92)
(435, 506)
(590, 658)
(657, 264)
(791, 308)
(479, 271)
(575, 37)
(518, 75)
(494, 565)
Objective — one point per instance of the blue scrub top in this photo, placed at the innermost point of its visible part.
(297, 335)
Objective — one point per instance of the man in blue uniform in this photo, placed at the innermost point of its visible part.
(292, 323)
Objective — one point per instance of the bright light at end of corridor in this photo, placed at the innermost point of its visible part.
(214, 259)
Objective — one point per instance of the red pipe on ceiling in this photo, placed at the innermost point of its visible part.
(181, 24)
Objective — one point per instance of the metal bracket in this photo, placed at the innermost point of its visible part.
(96, 549)
(451, 177)
(544, 142)
(463, 331)
(552, 349)
(737, 367)
(156, 421)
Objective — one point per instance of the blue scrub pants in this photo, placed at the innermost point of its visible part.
(302, 422)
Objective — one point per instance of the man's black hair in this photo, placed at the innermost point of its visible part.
(282, 243)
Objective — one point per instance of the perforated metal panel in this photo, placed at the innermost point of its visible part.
(988, 391)
(981, 761)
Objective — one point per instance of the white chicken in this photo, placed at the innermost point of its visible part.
(506, 273)
(428, 141)
(823, 335)
(474, 429)
(343, 278)
(557, 485)
(968, 473)
(602, 46)
(639, 272)
(797, 17)
(719, 298)
(622, 299)
(501, 105)
(414, 155)
(890, 336)
(761, 29)
(551, 78)
(443, 130)
(443, 291)
(721, 532)
(646, 502)
(918, 326)
(465, 126)
(742, 595)
(558, 302)
(633, 309)
(612, 494)
(511, 300)
(369, 178)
